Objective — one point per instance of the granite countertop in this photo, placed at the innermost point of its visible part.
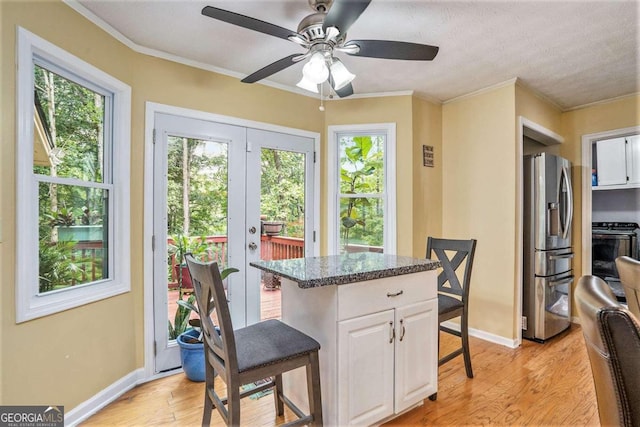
(343, 269)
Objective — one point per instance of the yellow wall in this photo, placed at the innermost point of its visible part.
(70, 356)
(427, 183)
(537, 109)
(478, 199)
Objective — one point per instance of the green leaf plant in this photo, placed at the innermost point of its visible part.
(182, 321)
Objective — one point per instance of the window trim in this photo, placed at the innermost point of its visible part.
(389, 198)
(29, 303)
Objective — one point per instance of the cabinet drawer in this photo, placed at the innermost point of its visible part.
(360, 298)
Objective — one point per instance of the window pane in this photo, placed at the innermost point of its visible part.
(68, 128)
(361, 164)
(361, 224)
(73, 235)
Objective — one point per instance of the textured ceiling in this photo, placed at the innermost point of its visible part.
(572, 52)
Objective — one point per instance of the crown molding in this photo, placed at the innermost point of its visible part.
(481, 91)
(604, 101)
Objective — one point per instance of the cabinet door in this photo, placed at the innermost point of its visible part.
(365, 368)
(611, 162)
(633, 159)
(416, 353)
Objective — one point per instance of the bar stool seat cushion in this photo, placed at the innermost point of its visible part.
(270, 342)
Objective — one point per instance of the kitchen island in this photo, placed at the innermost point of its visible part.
(376, 319)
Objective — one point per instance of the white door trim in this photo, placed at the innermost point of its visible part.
(151, 108)
(546, 137)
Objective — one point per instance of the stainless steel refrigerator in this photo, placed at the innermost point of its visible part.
(547, 251)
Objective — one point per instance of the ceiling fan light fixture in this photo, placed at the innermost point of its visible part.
(331, 33)
(307, 84)
(316, 70)
(341, 76)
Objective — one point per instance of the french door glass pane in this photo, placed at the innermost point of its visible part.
(197, 191)
(282, 198)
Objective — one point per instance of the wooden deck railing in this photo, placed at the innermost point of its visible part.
(271, 248)
(280, 247)
(89, 253)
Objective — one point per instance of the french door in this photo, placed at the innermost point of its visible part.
(232, 194)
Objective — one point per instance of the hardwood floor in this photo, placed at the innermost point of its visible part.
(535, 384)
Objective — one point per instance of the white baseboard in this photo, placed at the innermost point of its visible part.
(486, 336)
(103, 398)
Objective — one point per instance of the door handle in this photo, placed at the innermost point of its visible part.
(253, 246)
(564, 281)
(571, 255)
(392, 333)
(566, 227)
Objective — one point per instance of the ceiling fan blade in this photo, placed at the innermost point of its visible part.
(343, 13)
(247, 22)
(271, 69)
(393, 50)
(345, 91)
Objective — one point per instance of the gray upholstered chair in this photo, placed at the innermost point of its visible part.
(612, 335)
(262, 351)
(453, 293)
(629, 270)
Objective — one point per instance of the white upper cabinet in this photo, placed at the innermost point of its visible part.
(618, 162)
(633, 159)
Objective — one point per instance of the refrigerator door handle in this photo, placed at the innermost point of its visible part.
(569, 205)
(563, 256)
(564, 281)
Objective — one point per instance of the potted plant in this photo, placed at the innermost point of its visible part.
(188, 335)
(180, 246)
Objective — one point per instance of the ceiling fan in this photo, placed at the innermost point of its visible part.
(323, 33)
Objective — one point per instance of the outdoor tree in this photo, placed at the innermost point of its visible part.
(361, 181)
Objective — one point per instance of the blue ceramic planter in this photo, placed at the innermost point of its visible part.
(192, 356)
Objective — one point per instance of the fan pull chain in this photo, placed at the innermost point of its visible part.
(321, 108)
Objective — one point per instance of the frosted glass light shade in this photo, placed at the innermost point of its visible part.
(307, 84)
(316, 69)
(341, 76)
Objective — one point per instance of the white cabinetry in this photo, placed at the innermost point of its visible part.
(618, 162)
(633, 159)
(379, 345)
(381, 370)
(365, 368)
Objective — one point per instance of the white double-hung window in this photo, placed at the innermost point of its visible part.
(361, 188)
(72, 185)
